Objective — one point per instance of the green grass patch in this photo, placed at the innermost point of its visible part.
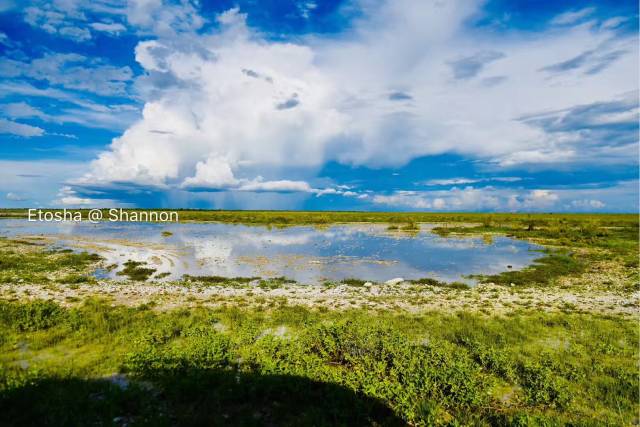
(353, 282)
(543, 271)
(218, 279)
(428, 281)
(135, 270)
(275, 282)
(20, 262)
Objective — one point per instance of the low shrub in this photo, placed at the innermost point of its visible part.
(31, 316)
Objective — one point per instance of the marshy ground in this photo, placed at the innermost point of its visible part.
(553, 344)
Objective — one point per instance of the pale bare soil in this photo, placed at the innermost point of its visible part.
(597, 291)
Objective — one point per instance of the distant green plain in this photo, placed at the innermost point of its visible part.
(278, 217)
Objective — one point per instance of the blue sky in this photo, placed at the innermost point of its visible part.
(463, 105)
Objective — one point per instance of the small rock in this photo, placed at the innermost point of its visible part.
(512, 285)
(394, 281)
(367, 284)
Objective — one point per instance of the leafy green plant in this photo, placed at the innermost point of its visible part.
(31, 316)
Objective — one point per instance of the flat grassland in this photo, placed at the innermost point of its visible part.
(333, 217)
(554, 344)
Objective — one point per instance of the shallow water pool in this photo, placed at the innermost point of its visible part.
(302, 253)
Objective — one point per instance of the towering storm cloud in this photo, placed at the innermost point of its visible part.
(227, 106)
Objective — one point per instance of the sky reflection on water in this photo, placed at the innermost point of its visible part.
(305, 254)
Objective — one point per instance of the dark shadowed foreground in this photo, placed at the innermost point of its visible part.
(192, 397)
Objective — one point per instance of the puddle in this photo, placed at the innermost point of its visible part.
(305, 254)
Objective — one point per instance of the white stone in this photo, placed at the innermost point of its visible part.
(394, 281)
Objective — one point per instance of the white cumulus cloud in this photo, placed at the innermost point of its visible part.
(511, 199)
(226, 106)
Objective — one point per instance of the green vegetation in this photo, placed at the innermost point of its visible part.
(76, 279)
(274, 282)
(285, 218)
(428, 281)
(295, 366)
(542, 272)
(410, 226)
(576, 244)
(353, 282)
(32, 261)
(134, 270)
(217, 279)
(588, 230)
